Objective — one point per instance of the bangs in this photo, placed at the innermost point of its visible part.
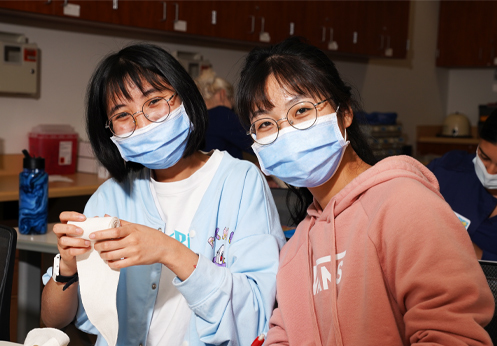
(127, 74)
(293, 76)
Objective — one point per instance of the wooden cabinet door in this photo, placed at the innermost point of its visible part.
(463, 40)
(387, 24)
(42, 7)
(321, 20)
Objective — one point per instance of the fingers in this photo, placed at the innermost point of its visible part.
(111, 233)
(61, 229)
(71, 216)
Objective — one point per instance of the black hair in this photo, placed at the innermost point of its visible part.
(488, 130)
(305, 70)
(138, 64)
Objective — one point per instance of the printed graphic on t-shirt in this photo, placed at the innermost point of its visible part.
(181, 237)
(322, 275)
(465, 221)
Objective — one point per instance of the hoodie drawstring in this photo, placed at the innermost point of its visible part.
(334, 298)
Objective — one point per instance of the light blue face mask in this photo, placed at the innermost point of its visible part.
(158, 145)
(304, 158)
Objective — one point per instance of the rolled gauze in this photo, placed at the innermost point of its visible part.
(98, 282)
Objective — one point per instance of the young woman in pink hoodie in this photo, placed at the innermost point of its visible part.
(378, 257)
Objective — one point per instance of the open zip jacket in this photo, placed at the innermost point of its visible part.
(402, 270)
(230, 304)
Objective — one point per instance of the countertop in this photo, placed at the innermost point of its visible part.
(82, 184)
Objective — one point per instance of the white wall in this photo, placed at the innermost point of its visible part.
(414, 88)
(469, 88)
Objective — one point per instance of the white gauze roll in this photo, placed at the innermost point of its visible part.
(98, 282)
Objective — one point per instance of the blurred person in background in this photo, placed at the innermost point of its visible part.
(224, 132)
(468, 183)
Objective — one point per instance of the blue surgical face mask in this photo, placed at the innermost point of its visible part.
(157, 145)
(488, 180)
(304, 158)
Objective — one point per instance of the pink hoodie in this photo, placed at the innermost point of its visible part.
(404, 267)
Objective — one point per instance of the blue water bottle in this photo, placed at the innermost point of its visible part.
(33, 196)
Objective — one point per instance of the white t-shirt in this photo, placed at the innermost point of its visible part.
(177, 203)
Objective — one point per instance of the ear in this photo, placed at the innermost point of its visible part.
(347, 117)
(222, 95)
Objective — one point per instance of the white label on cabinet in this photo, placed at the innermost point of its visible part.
(388, 52)
(71, 10)
(65, 153)
(180, 25)
(332, 45)
(264, 37)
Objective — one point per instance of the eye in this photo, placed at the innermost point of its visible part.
(154, 102)
(264, 125)
(302, 111)
(120, 117)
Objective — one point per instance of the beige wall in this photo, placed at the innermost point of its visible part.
(414, 88)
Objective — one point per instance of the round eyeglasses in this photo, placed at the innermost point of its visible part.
(156, 110)
(300, 116)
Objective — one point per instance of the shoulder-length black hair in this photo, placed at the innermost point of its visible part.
(300, 69)
(137, 64)
(488, 130)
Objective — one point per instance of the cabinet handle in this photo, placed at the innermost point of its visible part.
(214, 17)
(262, 24)
(176, 12)
(323, 34)
(252, 24)
(114, 4)
(292, 29)
(65, 3)
(164, 11)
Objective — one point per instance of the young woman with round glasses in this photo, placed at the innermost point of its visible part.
(378, 257)
(200, 236)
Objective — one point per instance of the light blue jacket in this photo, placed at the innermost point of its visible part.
(231, 304)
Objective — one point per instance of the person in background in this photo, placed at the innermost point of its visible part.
(200, 236)
(378, 257)
(468, 183)
(224, 132)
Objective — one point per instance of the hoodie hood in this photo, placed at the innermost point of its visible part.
(383, 171)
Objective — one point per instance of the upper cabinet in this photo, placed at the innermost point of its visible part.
(362, 28)
(371, 28)
(467, 34)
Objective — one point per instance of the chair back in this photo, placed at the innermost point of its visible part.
(8, 241)
(490, 270)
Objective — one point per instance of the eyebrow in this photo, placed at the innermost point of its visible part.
(120, 105)
(483, 153)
